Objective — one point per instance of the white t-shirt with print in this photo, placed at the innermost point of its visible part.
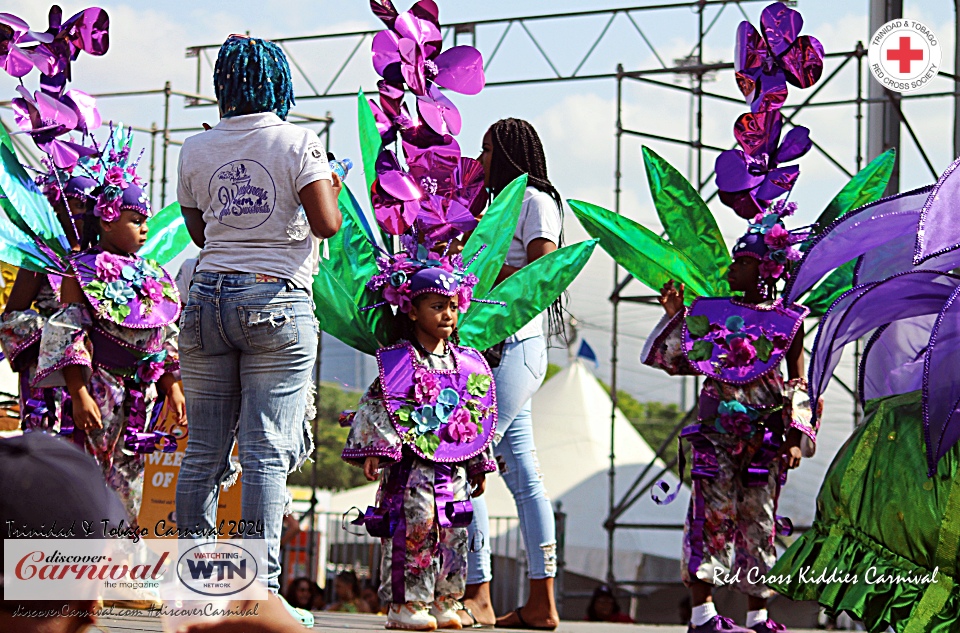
(245, 175)
(539, 218)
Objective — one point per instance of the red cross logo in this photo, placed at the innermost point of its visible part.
(905, 55)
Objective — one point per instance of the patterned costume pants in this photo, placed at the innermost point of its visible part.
(728, 537)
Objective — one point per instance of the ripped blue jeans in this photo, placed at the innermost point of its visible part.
(248, 345)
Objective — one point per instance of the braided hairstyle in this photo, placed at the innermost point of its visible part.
(251, 76)
(517, 150)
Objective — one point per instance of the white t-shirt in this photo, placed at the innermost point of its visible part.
(539, 218)
(245, 175)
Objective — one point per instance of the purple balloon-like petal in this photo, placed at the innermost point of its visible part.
(743, 203)
(941, 387)
(88, 31)
(469, 181)
(770, 93)
(395, 217)
(55, 113)
(65, 154)
(384, 50)
(16, 62)
(778, 182)
(88, 117)
(384, 10)
(439, 112)
(412, 66)
(750, 49)
(781, 26)
(423, 32)
(461, 69)
(803, 63)
(733, 173)
(441, 219)
(13, 22)
(758, 132)
(427, 10)
(795, 144)
(400, 185)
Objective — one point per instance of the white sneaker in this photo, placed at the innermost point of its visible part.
(410, 616)
(445, 612)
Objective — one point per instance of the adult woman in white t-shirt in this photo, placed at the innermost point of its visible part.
(511, 147)
(248, 334)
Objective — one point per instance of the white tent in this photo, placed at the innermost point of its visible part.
(571, 415)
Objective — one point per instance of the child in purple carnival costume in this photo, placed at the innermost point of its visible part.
(114, 343)
(752, 425)
(67, 182)
(428, 422)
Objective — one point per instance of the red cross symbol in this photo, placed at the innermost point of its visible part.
(905, 55)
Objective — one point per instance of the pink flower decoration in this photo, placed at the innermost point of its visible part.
(109, 267)
(150, 372)
(736, 424)
(115, 177)
(770, 269)
(108, 210)
(426, 387)
(464, 298)
(152, 288)
(777, 237)
(741, 353)
(460, 427)
(399, 297)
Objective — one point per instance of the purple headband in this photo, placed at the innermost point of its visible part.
(80, 188)
(436, 280)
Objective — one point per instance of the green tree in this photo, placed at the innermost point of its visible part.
(332, 472)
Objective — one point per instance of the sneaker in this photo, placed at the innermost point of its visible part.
(410, 616)
(769, 626)
(445, 612)
(302, 616)
(718, 624)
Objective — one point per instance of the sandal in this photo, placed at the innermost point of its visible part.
(477, 624)
(523, 624)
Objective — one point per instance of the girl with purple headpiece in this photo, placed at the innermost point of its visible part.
(428, 422)
(752, 426)
(113, 345)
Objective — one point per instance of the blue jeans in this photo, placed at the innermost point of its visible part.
(247, 352)
(518, 377)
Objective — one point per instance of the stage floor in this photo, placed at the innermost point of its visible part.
(373, 624)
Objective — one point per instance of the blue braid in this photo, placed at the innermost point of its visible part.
(251, 76)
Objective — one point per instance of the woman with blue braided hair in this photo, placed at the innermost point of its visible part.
(248, 332)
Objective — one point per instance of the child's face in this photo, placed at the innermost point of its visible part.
(435, 315)
(744, 274)
(127, 234)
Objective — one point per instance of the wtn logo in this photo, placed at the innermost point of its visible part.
(202, 569)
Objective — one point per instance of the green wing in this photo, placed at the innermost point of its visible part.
(168, 235)
(838, 282)
(645, 255)
(688, 221)
(27, 207)
(496, 230)
(527, 293)
(868, 185)
(370, 143)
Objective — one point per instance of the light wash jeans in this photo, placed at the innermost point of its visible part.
(247, 351)
(518, 377)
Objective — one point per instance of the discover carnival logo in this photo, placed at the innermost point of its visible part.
(904, 55)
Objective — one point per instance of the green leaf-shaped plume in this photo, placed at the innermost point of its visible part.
(644, 254)
(688, 221)
(353, 259)
(496, 230)
(370, 143)
(527, 293)
(838, 282)
(168, 235)
(864, 188)
(338, 313)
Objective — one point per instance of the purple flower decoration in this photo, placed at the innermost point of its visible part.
(46, 118)
(152, 289)
(109, 267)
(426, 387)
(409, 52)
(750, 178)
(14, 33)
(86, 31)
(765, 64)
(740, 352)
(395, 195)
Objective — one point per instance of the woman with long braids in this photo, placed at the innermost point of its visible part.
(511, 147)
(248, 335)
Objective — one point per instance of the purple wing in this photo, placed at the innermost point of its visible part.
(892, 360)
(941, 386)
(866, 308)
(781, 26)
(939, 230)
(856, 233)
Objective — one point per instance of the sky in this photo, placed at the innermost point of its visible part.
(576, 120)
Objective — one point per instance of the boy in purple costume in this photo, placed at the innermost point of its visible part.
(750, 430)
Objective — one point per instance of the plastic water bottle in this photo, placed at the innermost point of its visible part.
(299, 227)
